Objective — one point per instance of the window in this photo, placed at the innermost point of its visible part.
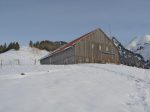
(100, 47)
(106, 48)
(92, 46)
(80, 59)
(112, 50)
(112, 57)
(87, 60)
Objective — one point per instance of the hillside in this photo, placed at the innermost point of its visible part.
(26, 55)
(141, 46)
(74, 88)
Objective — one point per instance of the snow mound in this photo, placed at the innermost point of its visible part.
(26, 55)
(141, 46)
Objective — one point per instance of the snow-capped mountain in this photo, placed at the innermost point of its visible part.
(26, 55)
(140, 46)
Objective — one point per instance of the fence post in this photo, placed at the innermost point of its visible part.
(10, 63)
(1, 63)
(35, 62)
(18, 62)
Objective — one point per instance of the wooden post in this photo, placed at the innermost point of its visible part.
(18, 62)
(10, 63)
(1, 63)
(35, 62)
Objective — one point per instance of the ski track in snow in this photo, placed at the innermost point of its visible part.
(140, 86)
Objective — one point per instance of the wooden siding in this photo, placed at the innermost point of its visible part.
(45, 61)
(93, 47)
(65, 57)
(96, 48)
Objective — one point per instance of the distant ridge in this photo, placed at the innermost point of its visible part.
(141, 45)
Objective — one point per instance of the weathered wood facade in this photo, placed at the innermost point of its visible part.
(93, 47)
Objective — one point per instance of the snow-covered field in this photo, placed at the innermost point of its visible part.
(74, 88)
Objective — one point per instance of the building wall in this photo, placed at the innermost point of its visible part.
(45, 61)
(96, 47)
(65, 57)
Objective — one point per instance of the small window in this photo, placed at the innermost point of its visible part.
(92, 46)
(106, 48)
(113, 57)
(100, 47)
(112, 50)
(87, 60)
(80, 59)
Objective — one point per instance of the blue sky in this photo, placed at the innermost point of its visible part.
(24, 20)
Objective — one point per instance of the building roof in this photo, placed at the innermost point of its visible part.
(68, 45)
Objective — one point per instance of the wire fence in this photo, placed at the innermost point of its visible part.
(18, 62)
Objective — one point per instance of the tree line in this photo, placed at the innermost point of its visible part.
(47, 45)
(12, 45)
(42, 45)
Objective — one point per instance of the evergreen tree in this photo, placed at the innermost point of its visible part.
(31, 43)
(1, 48)
(17, 46)
(10, 46)
(47, 45)
(5, 46)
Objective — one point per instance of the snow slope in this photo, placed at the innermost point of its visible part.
(141, 46)
(74, 88)
(26, 55)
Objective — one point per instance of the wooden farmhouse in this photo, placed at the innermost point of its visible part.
(93, 47)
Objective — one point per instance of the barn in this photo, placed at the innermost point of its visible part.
(93, 47)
